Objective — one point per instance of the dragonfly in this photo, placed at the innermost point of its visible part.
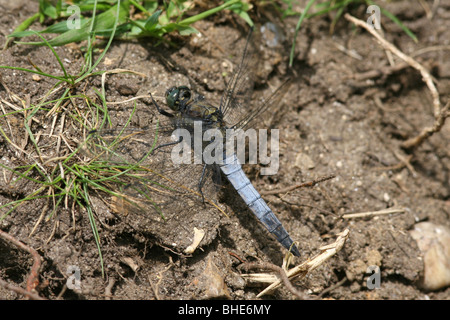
(179, 189)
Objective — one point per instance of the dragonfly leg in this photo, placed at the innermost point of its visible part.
(201, 183)
(160, 110)
(180, 139)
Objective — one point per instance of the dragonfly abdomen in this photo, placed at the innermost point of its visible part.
(233, 171)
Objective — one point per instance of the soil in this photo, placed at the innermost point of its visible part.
(337, 118)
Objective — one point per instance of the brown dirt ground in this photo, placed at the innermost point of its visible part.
(331, 122)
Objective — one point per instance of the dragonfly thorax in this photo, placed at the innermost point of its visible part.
(180, 99)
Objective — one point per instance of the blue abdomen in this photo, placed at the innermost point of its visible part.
(233, 171)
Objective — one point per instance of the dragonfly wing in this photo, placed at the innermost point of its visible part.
(156, 195)
(241, 107)
(237, 98)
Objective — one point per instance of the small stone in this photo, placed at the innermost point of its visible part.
(127, 90)
(212, 283)
(304, 162)
(108, 61)
(434, 243)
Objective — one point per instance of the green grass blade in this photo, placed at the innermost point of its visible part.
(23, 26)
(93, 226)
(66, 76)
(399, 23)
(121, 10)
(35, 71)
(102, 23)
(207, 13)
(297, 28)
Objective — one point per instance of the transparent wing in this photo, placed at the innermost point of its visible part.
(240, 107)
(236, 101)
(157, 195)
(272, 102)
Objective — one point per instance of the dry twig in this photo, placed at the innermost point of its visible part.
(308, 184)
(372, 213)
(32, 280)
(155, 288)
(413, 63)
(426, 132)
(20, 290)
(279, 270)
(301, 270)
(440, 114)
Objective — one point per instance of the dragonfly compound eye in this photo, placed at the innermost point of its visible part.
(172, 97)
(177, 97)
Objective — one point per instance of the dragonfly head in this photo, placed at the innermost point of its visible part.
(176, 97)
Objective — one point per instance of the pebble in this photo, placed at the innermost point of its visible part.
(212, 283)
(127, 90)
(434, 242)
(304, 162)
(272, 34)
